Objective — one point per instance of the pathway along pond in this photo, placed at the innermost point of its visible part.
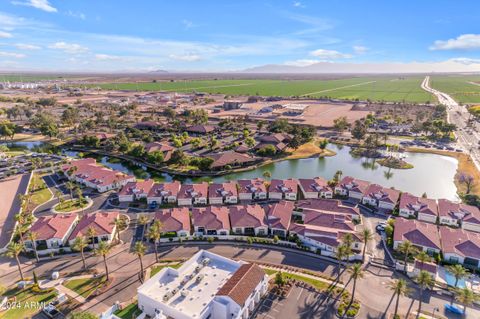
(432, 174)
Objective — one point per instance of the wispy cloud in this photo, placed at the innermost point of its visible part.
(462, 42)
(302, 62)
(5, 35)
(187, 24)
(298, 4)
(72, 48)
(12, 55)
(38, 4)
(466, 61)
(24, 46)
(359, 49)
(107, 57)
(189, 57)
(78, 15)
(330, 54)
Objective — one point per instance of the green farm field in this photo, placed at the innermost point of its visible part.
(461, 88)
(362, 88)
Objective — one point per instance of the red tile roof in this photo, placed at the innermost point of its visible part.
(200, 129)
(283, 186)
(193, 190)
(458, 211)
(55, 226)
(165, 189)
(418, 204)
(164, 148)
(328, 220)
(174, 220)
(87, 169)
(242, 283)
(460, 242)
(138, 187)
(328, 205)
(211, 217)
(247, 216)
(382, 194)
(417, 232)
(222, 189)
(256, 185)
(314, 185)
(280, 214)
(101, 221)
(230, 158)
(353, 184)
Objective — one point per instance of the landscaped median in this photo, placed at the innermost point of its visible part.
(85, 287)
(72, 205)
(39, 191)
(24, 303)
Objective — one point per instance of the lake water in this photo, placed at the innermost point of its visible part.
(432, 174)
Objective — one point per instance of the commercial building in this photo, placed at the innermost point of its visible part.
(205, 286)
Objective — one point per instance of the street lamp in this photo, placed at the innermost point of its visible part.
(433, 313)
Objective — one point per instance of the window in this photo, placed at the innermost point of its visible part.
(453, 260)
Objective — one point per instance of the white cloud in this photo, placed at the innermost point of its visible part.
(359, 49)
(298, 4)
(78, 15)
(330, 54)
(5, 35)
(107, 57)
(462, 42)
(302, 62)
(12, 55)
(23, 46)
(189, 57)
(188, 24)
(38, 4)
(466, 61)
(72, 48)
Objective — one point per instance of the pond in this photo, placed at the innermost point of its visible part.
(33, 146)
(432, 174)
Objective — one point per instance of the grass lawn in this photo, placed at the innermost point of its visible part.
(129, 312)
(70, 205)
(320, 285)
(41, 193)
(156, 269)
(85, 287)
(27, 303)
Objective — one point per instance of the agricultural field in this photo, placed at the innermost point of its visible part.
(374, 88)
(464, 89)
(27, 78)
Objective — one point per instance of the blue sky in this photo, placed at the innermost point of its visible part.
(217, 35)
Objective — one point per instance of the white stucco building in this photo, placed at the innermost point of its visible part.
(205, 286)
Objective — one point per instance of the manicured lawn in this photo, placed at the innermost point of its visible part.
(85, 287)
(27, 303)
(129, 312)
(156, 269)
(41, 193)
(320, 285)
(70, 205)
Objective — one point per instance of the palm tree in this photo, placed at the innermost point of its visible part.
(80, 244)
(59, 196)
(140, 250)
(356, 272)
(366, 236)
(102, 250)
(340, 254)
(423, 257)
(32, 236)
(91, 233)
(143, 220)
(406, 248)
(424, 280)
(347, 241)
(267, 175)
(399, 288)
(459, 272)
(154, 234)
(21, 225)
(466, 297)
(119, 224)
(70, 186)
(13, 250)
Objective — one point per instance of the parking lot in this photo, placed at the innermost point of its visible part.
(301, 302)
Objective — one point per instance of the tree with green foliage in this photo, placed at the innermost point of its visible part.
(155, 157)
(140, 249)
(79, 244)
(103, 250)
(424, 280)
(399, 288)
(366, 236)
(13, 250)
(82, 315)
(356, 272)
(32, 237)
(459, 272)
(406, 248)
(466, 297)
(154, 234)
(359, 130)
(341, 123)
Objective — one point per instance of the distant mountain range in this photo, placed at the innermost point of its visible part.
(454, 65)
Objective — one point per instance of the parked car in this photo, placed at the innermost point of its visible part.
(454, 309)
